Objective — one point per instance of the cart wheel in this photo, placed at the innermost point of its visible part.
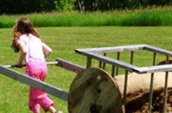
(94, 91)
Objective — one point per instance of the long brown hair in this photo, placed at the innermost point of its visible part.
(23, 26)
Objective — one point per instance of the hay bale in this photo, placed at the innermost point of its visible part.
(137, 98)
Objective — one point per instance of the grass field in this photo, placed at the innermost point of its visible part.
(153, 16)
(63, 41)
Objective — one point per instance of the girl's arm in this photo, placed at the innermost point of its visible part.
(23, 53)
(46, 49)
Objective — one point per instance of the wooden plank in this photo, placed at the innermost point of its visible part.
(57, 92)
(69, 66)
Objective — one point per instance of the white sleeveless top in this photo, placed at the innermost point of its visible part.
(33, 46)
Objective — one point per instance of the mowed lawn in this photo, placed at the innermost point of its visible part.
(63, 41)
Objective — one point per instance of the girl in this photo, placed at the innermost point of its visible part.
(27, 40)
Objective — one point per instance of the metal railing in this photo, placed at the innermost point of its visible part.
(100, 54)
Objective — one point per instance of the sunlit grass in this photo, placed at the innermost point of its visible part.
(63, 41)
(161, 16)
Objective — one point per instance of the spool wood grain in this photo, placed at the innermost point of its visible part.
(94, 91)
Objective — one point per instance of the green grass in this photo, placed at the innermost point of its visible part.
(63, 41)
(161, 16)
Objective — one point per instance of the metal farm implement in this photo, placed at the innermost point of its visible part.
(94, 90)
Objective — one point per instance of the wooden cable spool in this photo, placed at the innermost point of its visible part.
(94, 91)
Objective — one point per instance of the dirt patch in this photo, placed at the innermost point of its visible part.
(138, 102)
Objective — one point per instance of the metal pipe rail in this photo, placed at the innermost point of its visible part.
(57, 92)
(100, 54)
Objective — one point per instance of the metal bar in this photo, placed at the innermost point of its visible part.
(100, 64)
(69, 66)
(118, 58)
(151, 93)
(104, 64)
(113, 70)
(57, 92)
(151, 85)
(113, 49)
(158, 50)
(125, 87)
(131, 57)
(112, 73)
(154, 59)
(93, 53)
(14, 65)
(88, 62)
(165, 93)
(165, 89)
(153, 69)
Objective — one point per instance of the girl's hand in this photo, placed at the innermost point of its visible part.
(18, 65)
(23, 53)
(46, 49)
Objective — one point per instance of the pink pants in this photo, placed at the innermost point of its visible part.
(37, 98)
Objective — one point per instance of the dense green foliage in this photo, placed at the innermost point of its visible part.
(140, 17)
(25, 6)
(30, 6)
(63, 41)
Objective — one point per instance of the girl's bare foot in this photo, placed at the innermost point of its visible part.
(58, 111)
(53, 110)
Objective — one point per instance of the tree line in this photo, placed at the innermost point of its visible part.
(30, 6)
